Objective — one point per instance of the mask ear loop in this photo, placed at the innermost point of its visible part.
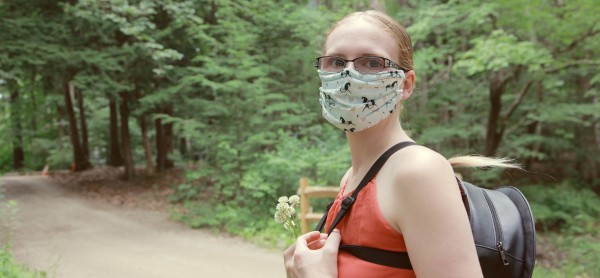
(401, 88)
(400, 101)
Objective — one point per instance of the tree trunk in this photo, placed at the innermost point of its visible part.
(34, 108)
(164, 141)
(17, 142)
(115, 158)
(168, 138)
(147, 145)
(587, 142)
(125, 139)
(494, 130)
(161, 152)
(536, 128)
(211, 17)
(594, 165)
(183, 148)
(82, 123)
(60, 126)
(377, 5)
(60, 121)
(81, 161)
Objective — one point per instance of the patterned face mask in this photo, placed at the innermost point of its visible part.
(355, 101)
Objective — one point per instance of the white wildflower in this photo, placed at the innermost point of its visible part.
(280, 217)
(283, 207)
(294, 200)
(286, 214)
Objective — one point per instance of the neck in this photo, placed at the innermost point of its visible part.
(367, 145)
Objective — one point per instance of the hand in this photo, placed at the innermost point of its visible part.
(313, 255)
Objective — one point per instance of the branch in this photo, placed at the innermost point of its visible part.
(576, 42)
(517, 101)
(502, 82)
(572, 64)
(597, 126)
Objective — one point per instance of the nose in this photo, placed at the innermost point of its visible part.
(348, 65)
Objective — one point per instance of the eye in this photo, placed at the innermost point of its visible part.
(338, 62)
(374, 63)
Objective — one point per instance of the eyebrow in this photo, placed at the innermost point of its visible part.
(361, 55)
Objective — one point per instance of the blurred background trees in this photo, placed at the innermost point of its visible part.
(226, 90)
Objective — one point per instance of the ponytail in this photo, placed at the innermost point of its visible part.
(475, 161)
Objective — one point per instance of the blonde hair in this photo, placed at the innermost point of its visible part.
(388, 24)
(405, 54)
(476, 161)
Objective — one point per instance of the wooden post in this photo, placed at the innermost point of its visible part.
(306, 193)
(304, 204)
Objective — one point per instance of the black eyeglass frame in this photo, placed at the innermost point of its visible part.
(388, 63)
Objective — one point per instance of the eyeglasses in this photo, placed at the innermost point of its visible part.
(368, 64)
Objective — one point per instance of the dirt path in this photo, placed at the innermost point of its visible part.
(78, 237)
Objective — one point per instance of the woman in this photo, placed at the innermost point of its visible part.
(414, 202)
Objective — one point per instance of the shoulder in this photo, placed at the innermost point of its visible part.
(416, 177)
(345, 177)
(422, 170)
(425, 205)
(419, 163)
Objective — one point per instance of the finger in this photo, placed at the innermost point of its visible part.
(322, 237)
(333, 241)
(317, 244)
(288, 260)
(288, 253)
(303, 240)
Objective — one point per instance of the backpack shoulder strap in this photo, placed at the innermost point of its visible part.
(386, 257)
(379, 256)
(349, 200)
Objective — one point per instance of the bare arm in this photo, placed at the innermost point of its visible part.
(433, 219)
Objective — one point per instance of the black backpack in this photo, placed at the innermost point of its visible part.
(501, 222)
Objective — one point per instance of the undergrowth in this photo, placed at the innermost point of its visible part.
(580, 256)
(9, 268)
(568, 218)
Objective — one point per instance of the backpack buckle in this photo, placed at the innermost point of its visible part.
(347, 202)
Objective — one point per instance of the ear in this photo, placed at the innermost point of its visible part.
(408, 84)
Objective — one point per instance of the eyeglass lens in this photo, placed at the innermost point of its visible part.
(361, 64)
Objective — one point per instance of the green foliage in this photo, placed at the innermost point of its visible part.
(9, 268)
(581, 255)
(563, 208)
(463, 47)
(273, 174)
(500, 50)
(208, 69)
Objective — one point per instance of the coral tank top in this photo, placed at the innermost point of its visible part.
(364, 225)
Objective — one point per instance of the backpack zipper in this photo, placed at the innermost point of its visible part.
(497, 228)
(502, 254)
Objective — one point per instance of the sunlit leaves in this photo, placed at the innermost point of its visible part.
(499, 51)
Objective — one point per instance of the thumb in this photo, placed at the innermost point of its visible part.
(333, 241)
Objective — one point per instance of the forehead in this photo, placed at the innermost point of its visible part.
(359, 37)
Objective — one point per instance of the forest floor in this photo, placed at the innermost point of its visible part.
(94, 225)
